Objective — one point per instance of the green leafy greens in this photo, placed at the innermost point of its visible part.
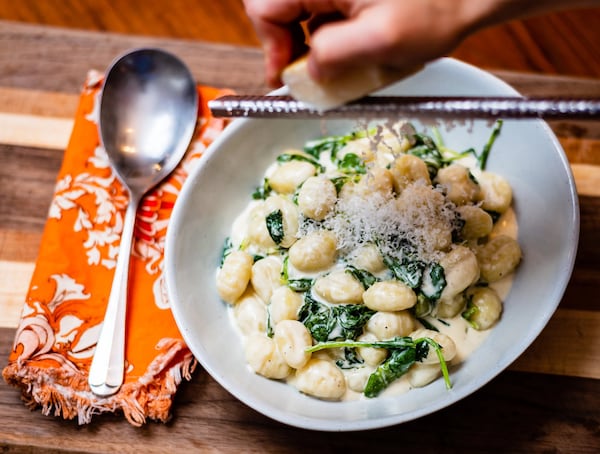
(363, 276)
(287, 157)
(326, 323)
(263, 191)
(404, 353)
(275, 225)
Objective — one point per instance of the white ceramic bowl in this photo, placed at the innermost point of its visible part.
(545, 200)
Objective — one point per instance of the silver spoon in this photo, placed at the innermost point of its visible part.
(148, 112)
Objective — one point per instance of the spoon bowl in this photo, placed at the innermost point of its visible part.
(148, 112)
(147, 115)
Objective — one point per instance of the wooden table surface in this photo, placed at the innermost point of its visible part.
(548, 400)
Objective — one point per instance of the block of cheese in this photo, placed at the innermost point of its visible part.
(352, 85)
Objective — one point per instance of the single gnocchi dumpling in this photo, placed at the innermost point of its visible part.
(389, 296)
(285, 304)
(420, 374)
(339, 287)
(314, 252)
(317, 197)
(266, 276)
(367, 257)
(498, 257)
(234, 275)
(321, 378)
(496, 193)
(292, 339)
(483, 309)
(386, 325)
(477, 222)
(377, 180)
(360, 147)
(407, 169)
(461, 270)
(256, 229)
(461, 188)
(286, 178)
(371, 355)
(450, 306)
(250, 314)
(264, 358)
(289, 219)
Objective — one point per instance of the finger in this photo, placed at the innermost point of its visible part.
(281, 46)
(277, 24)
(339, 45)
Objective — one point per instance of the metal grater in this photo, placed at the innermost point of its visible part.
(397, 106)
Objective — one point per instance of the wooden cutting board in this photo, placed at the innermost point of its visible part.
(36, 112)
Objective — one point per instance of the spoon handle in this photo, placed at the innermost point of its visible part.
(107, 371)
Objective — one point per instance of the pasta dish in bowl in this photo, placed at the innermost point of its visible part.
(345, 275)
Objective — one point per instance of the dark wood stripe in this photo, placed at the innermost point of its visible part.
(25, 206)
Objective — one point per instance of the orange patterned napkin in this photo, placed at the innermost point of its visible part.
(65, 305)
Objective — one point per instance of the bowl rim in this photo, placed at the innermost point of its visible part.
(451, 397)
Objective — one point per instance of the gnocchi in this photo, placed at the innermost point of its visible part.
(364, 251)
(234, 275)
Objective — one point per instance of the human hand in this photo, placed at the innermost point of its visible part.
(347, 33)
(400, 34)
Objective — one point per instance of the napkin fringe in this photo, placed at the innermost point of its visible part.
(57, 392)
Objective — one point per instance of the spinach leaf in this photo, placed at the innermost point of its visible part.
(333, 144)
(408, 271)
(350, 318)
(300, 285)
(227, 248)
(363, 276)
(286, 157)
(263, 191)
(396, 365)
(325, 323)
(434, 281)
(317, 318)
(339, 182)
(426, 149)
(350, 360)
(470, 312)
(483, 157)
(275, 225)
(351, 164)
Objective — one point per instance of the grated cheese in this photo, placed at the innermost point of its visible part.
(418, 216)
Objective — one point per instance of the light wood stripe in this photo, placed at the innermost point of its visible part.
(569, 345)
(587, 179)
(38, 102)
(35, 131)
(14, 282)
